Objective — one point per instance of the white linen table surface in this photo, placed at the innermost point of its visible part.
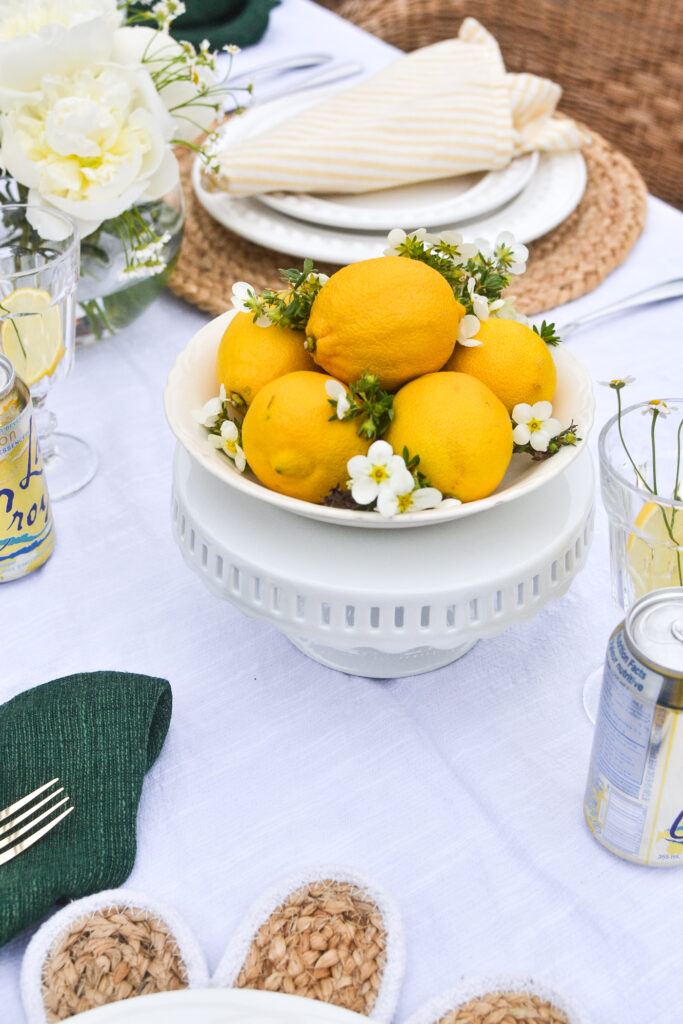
(459, 791)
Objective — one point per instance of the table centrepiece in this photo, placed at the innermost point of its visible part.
(91, 108)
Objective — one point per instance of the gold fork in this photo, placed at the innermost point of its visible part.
(9, 820)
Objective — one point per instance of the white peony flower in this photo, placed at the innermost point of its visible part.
(534, 425)
(241, 291)
(380, 467)
(469, 326)
(338, 393)
(392, 501)
(90, 144)
(51, 37)
(182, 91)
(227, 443)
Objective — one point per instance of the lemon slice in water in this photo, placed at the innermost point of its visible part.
(653, 559)
(32, 338)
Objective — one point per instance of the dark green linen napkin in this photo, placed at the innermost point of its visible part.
(222, 22)
(99, 732)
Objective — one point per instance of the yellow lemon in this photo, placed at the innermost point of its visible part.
(392, 315)
(250, 356)
(654, 555)
(460, 430)
(512, 360)
(32, 336)
(290, 442)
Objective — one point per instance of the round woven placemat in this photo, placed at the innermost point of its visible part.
(564, 264)
(506, 1008)
(113, 954)
(326, 941)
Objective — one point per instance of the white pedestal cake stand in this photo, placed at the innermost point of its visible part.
(384, 603)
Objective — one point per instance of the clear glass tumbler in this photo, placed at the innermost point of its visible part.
(641, 480)
(38, 279)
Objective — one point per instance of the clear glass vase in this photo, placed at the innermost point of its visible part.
(126, 264)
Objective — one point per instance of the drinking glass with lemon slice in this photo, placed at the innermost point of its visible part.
(641, 477)
(38, 278)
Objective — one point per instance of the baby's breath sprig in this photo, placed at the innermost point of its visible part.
(366, 399)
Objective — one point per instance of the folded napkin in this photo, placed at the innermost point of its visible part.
(444, 110)
(98, 732)
(241, 22)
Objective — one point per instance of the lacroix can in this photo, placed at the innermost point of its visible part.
(634, 795)
(26, 529)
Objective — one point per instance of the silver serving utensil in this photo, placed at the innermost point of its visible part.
(319, 78)
(657, 293)
(21, 838)
(300, 60)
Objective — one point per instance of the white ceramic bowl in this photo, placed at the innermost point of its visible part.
(192, 381)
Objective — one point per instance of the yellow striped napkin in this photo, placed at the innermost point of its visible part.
(444, 110)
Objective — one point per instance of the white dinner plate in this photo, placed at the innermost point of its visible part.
(219, 1006)
(424, 204)
(553, 192)
(192, 381)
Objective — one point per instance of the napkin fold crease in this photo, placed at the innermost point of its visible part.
(99, 733)
(444, 110)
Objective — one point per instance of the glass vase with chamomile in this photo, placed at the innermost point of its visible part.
(641, 479)
(39, 259)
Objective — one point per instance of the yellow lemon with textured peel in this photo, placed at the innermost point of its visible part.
(654, 555)
(31, 333)
(512, 360)
(250, 356)
(460, 430)
(392, 315)
(290, 442)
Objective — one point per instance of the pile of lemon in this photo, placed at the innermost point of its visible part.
(398, 318)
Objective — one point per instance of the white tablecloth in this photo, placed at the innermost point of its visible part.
(460, 791)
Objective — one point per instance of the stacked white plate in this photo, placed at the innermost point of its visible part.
(529, 197)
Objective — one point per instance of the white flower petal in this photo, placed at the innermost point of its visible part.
(364, 490)
(522, 412)
(215, 441)
(521, 434)
(481, 307)
(358, 466)
(229, 431)
(387, 503)
(505, 238)
(380, 452)
(541, 410)
(335, 389)
(450, 238)
(400, 482)
(552, 427)
(396, 237)
(539, 440)
(240, 459)
(425, 497)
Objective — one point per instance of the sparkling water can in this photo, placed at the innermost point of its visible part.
(634, 795)
(27, 534)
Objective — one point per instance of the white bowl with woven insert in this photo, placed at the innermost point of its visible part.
(192, 381)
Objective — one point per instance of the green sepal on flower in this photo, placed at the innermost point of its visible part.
(412, 462)
(366, 399)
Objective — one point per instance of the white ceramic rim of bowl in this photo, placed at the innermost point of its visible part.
(493, 189)
(198, 357)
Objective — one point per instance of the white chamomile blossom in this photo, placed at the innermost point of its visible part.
(659, 406)
(241, 292)
(232, 49)
(617, 383)
(534, 425)
(211, 410)
(227, 443)
(398, 237)
(379, 468)
(337, 392)
(392, 501)
(166, 11)
(469, 326)
(519, 252)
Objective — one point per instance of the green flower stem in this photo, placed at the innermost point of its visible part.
(655, 414)
(624, 446)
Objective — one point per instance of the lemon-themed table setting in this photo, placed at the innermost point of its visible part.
(375, 510)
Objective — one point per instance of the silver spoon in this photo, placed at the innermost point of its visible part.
(657, 293)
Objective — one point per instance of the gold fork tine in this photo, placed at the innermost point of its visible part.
(24, 845)
(32, 810)
(25, 799)
(31, 824)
